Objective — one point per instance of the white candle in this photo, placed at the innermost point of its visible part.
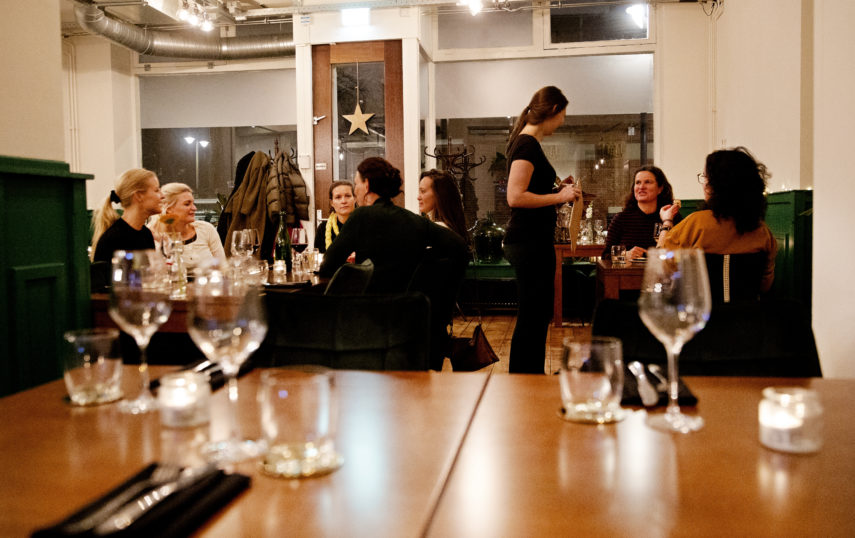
(184, 399)
(790, 420)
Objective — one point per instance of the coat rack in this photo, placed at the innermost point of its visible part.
(458, 161)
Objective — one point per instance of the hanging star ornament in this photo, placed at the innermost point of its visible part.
(358, 120)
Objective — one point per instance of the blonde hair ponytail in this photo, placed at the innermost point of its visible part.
(129, 183)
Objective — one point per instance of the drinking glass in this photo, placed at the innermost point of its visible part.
(675, 304)
(253, 241)
(241, 244)
(92, 366)
(657, 229)
(226, 320)
(298, 239)
(139, 304)
(591, 380)
(299, 412)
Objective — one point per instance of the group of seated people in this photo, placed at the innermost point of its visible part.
(730, 221)
(365, 223)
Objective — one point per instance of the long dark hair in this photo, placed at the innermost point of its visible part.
(545, 103)
(664, 198)
(384, 180)
(449, 204)
(737, 183)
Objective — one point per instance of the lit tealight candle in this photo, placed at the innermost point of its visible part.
(790, 419)
(183, 399)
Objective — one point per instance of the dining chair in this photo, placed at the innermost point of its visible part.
(351, 279)
(770, 337)
(439, 279)
(359, 332)
(99, 276)
(735, 277)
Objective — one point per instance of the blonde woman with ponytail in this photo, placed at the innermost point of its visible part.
(138, 192)
(530, 232)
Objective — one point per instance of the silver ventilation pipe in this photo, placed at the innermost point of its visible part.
(159, 43)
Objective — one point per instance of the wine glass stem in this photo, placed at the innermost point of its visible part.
(234, 426)
(145, 389)
(673, 380)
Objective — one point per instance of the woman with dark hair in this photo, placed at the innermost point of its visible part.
(439, 200)
(731, 220)
(633, 227)
(530, 232)
(342, 201)
(393, 238)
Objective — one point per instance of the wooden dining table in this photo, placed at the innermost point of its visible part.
(568, 250)
(398, 433)
(523, 471)
(614, 277)
(460, 454)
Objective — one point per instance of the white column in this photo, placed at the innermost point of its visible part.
(412, 105)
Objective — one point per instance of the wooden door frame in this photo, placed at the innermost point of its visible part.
(323, 57)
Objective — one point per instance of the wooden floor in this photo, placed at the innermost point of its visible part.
(499, 329)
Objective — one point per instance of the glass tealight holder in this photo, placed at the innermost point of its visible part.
(184, 400)
(790, 420)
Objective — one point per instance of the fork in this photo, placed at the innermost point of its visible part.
(162, 474)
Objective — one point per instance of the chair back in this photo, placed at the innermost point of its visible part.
(770, 338)
(439, 279)
(735, 277)
(360, 332)
(99, 276)
(351, 279)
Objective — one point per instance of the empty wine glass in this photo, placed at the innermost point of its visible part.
(241, 244)
(675, 304)
(226, 320)
(139, 304)
(253, 241)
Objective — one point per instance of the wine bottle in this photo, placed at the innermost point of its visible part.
(282, 246)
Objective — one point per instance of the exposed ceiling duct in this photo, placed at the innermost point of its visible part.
(173, 45)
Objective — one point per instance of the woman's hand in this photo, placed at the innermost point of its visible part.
(568, 193)
(635, 252)
(668, 212)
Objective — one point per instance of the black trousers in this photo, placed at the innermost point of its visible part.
(534, 265)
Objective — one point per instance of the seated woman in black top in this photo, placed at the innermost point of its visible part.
(342, 202)
(633, 227)
(138, 191)
(392, 237)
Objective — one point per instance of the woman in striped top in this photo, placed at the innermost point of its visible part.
(633, 227)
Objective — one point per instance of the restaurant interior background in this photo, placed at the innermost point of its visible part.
(775, 77)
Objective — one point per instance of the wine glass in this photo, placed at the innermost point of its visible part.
(226, 320)
(139, 304)
(675, 304)
(657, 229)
(253, 241)
(298, 239)
(241, 244)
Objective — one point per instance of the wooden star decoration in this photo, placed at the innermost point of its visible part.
(358, 120)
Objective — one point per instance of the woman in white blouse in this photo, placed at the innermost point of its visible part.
(201, 240)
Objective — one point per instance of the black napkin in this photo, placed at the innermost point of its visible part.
(213, 371)
(631, 397)
(177, 515)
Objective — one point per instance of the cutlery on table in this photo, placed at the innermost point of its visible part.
(162, 474)
(649, 395)
(131, 512)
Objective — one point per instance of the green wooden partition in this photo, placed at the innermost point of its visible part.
(43, 266)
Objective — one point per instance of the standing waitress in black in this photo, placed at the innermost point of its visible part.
(530, 233)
